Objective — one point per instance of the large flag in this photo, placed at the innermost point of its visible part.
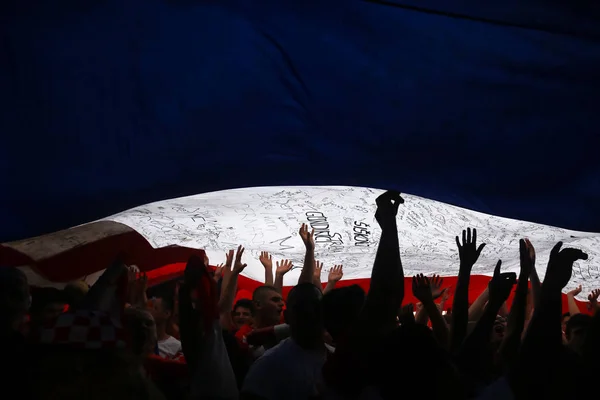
(268, 218)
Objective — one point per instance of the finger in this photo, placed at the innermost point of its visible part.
(480, 248)
(469, 235)
(522, 247)
(556, 249)
(474, 235)
(497, 269)
(457, 242)
(464, 237)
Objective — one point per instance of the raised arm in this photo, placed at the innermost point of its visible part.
(468, 253)
(229, 291)
(308, 269)
(541, 351)
(536, 285)
(422, 290)
(267, 262)
(593, 299)
(516, 318)
(317, 275)
(335, 275)
(387, 278)
(478, 307)
(281, 269)
(474, 355)
(573, 307)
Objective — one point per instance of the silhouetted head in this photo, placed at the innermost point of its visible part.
(162, 309)
(46, 304)
(141, 332)
(304, 314)
(413, 348)
(75, 292)
(577, 330)
(268, 305)
(341, 308)
(498, 331)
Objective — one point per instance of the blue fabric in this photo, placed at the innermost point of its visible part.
(105, 105)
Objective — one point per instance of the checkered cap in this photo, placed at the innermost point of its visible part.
(83, 329)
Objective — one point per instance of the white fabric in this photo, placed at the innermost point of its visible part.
(268, 219)
(286, 371)
(169, 348)
(214, 377)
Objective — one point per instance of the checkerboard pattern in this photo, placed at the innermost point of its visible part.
(84, 329)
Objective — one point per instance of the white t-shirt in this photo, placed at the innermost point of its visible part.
(286, 371)
(169, 348)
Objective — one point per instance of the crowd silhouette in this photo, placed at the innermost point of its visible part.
(189, 339)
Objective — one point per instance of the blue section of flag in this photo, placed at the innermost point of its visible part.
(105, 105)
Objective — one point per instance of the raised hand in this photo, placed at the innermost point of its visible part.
(527, 258)
(593, 296)
(593, 299)
(335, 274)
(445, 297)
(387, 207)
(318, 269)
(226, 271)
(308, 237)
(406, 315)
(266, 260)
(421, 288)
(468, 250)
(229, 259)
(560, 266)
(531, 251)
(283, 267)
(132, 272)
(501, 284)
(238, 265)
(575, 291)
(218, 274)
(436, 286)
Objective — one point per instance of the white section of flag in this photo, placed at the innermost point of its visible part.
(268, 219)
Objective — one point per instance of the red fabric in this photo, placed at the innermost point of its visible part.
(241, 336)
(96, 256)
(169, 262)
(477, 285)
(157, 366)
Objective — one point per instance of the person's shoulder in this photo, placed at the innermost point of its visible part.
(173, 340)
(283, 348)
